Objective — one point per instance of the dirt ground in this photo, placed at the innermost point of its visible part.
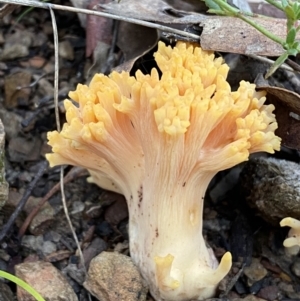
(261, 269)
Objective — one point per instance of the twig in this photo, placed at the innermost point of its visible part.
(293, 65)
(232, 282)
(71, 175)
(62, 189)
(38, 4)
(270, 62)
(56, 67)
(23, 201)
(6, 10)
(18, 88)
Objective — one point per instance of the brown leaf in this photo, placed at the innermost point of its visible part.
(217, 35)
(134, 41)
(287, 111)
(117, 210)
(58, 255)
(98, 29)
(7, 9)
(240, 37)
(14, 91)
(266, 9)
(81, 4)
(154, 10)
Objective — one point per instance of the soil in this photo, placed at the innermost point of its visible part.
(261, 267)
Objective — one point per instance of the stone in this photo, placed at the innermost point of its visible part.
(14, 51)
(97, 246)
(38, 244)
(46, 280)
(11, 122)
(248, 298)
(258, 179)
(17, 43)
(117, 211)
(289, 290)
(75, 273)
(255, 272)
(66, 50)
(296, 267)
(5, 293)
(114, 277)
(48, 248)
(22, 149)
(42, 220)
(15, 91)
(269, 293)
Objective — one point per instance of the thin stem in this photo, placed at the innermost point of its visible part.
(231, 11)
(23, 201)
(56, 83)
(43, 5)
(22, 284)
(56, 67)
(277, 64)
(261, 29)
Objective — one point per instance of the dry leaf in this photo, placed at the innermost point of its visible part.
(13, 94)
(266, 9)
(58, 256)
(98, 29)
(134, 41)
(117, 211)
(7, 9)
(81, 4)
(287, 110)
(154, 10)
(217, 35)
(240, 37)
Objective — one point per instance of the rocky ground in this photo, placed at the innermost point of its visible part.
(233, 221)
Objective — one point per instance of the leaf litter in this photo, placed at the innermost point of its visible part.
(128, 49)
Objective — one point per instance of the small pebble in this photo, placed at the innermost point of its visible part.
(48, 248)
(255, 272)
(52, 236)
(269, 293)
(97, 246)
(6, 293)
(77, 207)
(113, 276)
(77, 274)
(104, 229)
(46, 280)
(289, 290)
(66, 50)
(296, 267)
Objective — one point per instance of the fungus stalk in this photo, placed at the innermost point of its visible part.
(292, 242)
(159, 141)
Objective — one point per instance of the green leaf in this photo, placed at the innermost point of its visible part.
(22, 284)
(296, 46)
(293, 52)
(290, 13)
(296, 7)
(212, 5)
(277, 64)
(284, 3)
(298, 14)
(290, 38)
(217, 12)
